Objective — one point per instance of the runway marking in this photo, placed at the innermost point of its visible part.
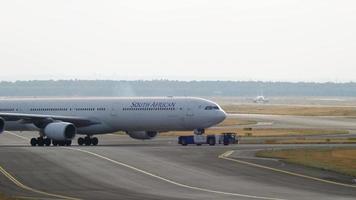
(251, 157)
(31, 198)
(20, 185)
(171, 181)
(19, 136)
(228, 153)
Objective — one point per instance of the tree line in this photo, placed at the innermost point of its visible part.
(172, 88)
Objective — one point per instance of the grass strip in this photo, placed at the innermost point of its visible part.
(290, 110)
(341, 160)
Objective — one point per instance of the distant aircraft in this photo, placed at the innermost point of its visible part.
(260, 99)
(60, 120)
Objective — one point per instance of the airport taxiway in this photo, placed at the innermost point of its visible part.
(295, 122)
(122, 168)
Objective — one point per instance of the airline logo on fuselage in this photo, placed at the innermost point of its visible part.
(153, 104)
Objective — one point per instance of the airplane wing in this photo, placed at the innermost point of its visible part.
(45, 119)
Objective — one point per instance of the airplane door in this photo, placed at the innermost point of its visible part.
(189, 109)
(189, 115)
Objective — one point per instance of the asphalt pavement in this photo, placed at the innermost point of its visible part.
(123, 168)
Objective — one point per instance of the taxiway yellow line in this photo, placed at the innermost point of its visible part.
(171, 181)
(132, 168)
(25, 187)
(226, 155)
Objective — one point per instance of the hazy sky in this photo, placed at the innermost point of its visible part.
(279, 40)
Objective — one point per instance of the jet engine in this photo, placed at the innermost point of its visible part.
(2, 125)
(142, 135)
(60, 131)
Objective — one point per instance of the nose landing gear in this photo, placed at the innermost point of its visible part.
(199, 131)
(87, 141)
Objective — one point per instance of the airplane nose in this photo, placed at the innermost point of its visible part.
(222, 116)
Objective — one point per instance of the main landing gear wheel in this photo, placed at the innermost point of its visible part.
(80, 141)
(68, 142)
(94, 141)
(87, 141)
(62, 143)
(40, 141)
(47, 142)
(33, 142)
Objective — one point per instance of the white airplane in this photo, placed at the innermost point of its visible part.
(60, 120)
(260, 99)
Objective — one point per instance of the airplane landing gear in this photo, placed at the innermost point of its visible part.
(33, 142)
(47, 142)
(62, 143)
(94, 141)
(87, 141)
(40, 141)
(199, 131)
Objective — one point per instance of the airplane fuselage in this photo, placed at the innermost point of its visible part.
(119, 114)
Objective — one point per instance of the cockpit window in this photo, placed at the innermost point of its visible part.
(212, 108)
